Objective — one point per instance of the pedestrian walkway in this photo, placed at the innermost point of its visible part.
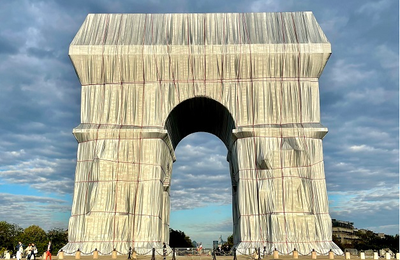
(202, 257)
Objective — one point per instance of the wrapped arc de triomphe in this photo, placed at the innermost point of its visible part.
(149, 80)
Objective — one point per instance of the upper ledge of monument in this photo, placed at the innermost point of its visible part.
(200, 29)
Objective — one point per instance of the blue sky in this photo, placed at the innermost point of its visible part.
(40, 105)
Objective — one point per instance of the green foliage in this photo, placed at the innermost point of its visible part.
(337, 241)
(34, 234)
(369, 240)
(9, 234)
(178, 238)
(58, 238)
(228, 243)
(2, 250)
(230, 240)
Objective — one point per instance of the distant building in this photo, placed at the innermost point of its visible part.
(220, 241)
(363, 231)
(215, 244)
(344, 231)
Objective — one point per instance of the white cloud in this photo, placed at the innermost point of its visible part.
(360, 204)
(262, 5)
(369, 149)
(361, 148)
(40, 174)
(374, 8)
(371, 96)
(190, 198)
(201, 173)
(347, 74)
(333, 27)
(15, 153)
(388, 59)
(26, 210)
(387, 229)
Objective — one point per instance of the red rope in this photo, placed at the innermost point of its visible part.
(119, 212)
(119, 140)
(252, 105)
(282, 212)
(160, 127)
(94, 241)
(140, 139)
(159, 80)
(284, 176)
(121, 180)
(205, 54)
(86, 209)
(281, 145)
(190, 59)
(300, 102)
(288, 242)
(216, 80)
(222, 59)
(170, 61)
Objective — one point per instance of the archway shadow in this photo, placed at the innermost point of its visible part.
(200, 114)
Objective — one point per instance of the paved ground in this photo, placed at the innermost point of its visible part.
(205, 257)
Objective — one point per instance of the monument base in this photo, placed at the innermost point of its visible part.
(283, 248)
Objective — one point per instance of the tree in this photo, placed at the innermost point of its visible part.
(58, 238)
(228, 243)
(369, 240)
(9, 234)
(35, 234)
(178, 238)
(337, 241)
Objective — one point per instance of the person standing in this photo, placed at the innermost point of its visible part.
(20, 250)
(28, 250)
(34, 251)
(164, 250)
(48, 252)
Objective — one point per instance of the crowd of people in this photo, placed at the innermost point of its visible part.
(30, 251)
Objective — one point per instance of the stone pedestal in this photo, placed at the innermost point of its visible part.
(276, 254)
(347, 255)
(313, 255)
(295, 254)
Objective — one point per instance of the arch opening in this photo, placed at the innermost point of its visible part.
(201, 189)
(200, 114)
